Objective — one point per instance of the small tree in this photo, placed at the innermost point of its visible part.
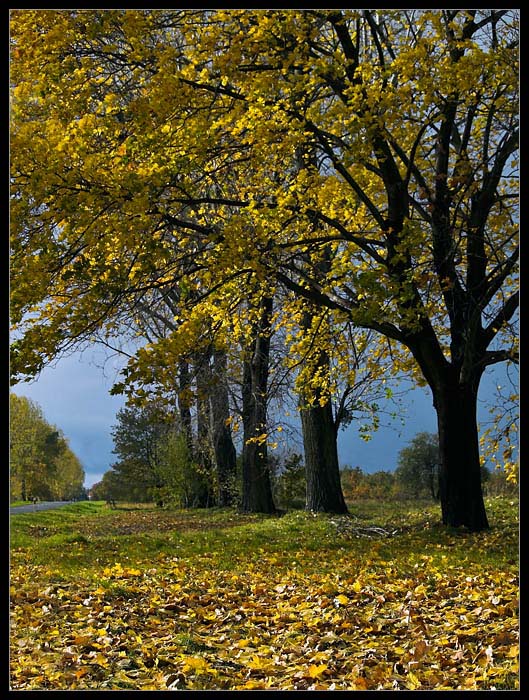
(111, 487)
(181, 480)
(290, 487)
(136, 436)
(418, 466)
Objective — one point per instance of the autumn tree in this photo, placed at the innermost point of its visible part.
(176, 274)
(111, 487)
(41, 463)
(418, 466)
(69, 476)
(154, 148)
(191, 363)
(24, 420)
(414, 117)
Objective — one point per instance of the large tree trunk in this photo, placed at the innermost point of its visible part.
(324, 489)
(460, 487)
(225, 454)
(256, 487)
(203, 453)
(320, 435)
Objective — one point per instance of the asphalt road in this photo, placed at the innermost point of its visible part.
(44, 505)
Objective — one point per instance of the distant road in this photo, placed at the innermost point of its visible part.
(44, 505)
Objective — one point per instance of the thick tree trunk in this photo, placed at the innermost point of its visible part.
(256, 486)
(324, 489)
(460, 488)
(225, 454)
(320, 435)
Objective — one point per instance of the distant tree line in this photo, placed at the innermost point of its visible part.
(416, 477)
(156, 463)
(41, 463)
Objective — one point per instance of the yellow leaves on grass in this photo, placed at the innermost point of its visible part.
(318, 619)
(117, 571)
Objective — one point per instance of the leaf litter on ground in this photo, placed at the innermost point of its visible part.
(239, 603)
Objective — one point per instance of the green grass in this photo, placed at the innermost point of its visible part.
(86, 534)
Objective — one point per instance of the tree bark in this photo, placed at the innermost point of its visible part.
(225, 454)
(320, 435)
(184, 408)
(256, 486)
(460, 488)
(324, 489)
(205, 497)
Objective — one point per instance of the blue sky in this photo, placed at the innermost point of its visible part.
(73, 394)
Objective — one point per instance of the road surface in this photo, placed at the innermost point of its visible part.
(44, 505)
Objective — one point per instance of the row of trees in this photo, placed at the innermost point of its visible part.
(186, 449)
(155, 465)
(386, 485)
(42, 465)
(215, 180)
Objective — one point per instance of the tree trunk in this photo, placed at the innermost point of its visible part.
(320, 435)
(184, 408)
(256, 487)
(433, 480)
(324, 489)
(204, 494)
(460, 488)
(225, 454)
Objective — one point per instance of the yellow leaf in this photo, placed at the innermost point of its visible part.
(341, 599)
(315, 671)
(252, 685)
(100, 660)
(193, 661)
(258, 664)
(412, 681)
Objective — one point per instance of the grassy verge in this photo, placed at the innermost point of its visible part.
(149, 599)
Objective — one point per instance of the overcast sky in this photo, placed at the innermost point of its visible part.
(74, 396)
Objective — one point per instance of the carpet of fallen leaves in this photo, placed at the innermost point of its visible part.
(367, 609)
